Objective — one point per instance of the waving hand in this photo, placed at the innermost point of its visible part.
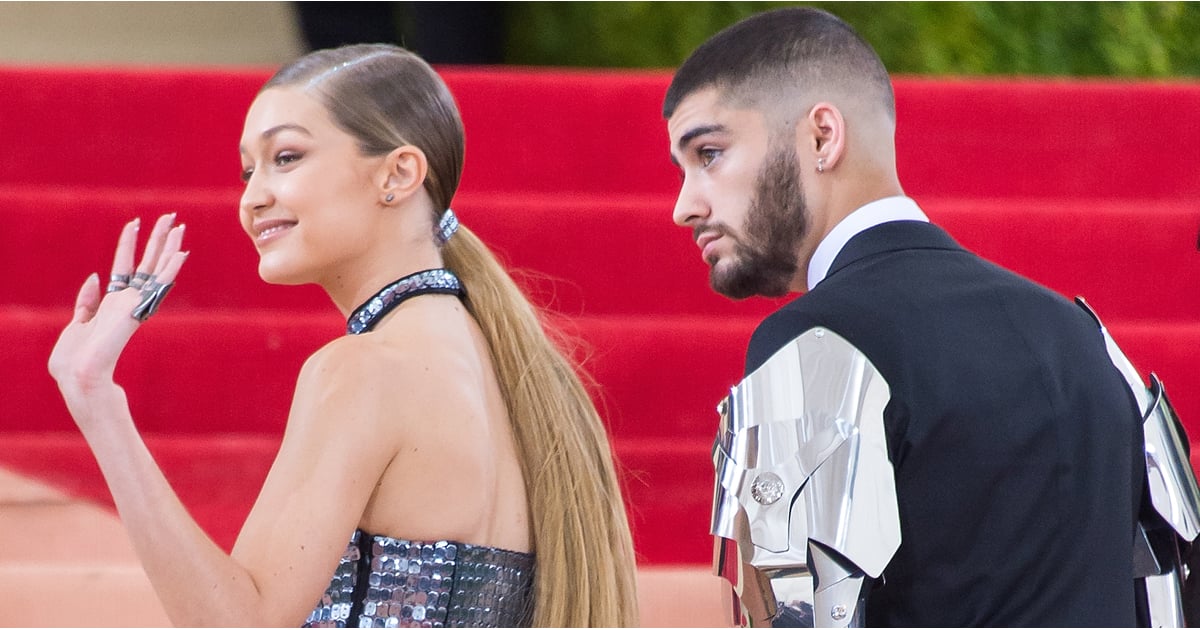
(87, 351)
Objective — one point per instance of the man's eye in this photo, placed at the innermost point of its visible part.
(707, 156)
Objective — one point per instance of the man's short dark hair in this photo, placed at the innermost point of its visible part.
(784, 49)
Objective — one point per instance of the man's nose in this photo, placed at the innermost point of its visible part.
(689, 207)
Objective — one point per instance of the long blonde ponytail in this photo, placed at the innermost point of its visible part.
(585, 564)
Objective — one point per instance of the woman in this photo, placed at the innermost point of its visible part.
(444, 436)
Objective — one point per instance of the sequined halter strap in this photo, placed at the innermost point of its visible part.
(365, 317)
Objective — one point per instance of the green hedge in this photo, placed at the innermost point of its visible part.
(1129, 39)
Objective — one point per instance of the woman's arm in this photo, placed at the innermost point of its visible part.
(313, 498)
(196, 582)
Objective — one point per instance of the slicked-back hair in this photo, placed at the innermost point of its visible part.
(386, 97)
(780, 51)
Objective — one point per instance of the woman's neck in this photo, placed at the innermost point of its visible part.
(356, 281)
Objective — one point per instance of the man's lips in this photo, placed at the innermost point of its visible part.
(706, 243)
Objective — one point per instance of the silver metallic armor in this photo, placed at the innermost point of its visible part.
(804, 508)
(386, 582)
(1163, 537)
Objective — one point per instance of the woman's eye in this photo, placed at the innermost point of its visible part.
(246, 173)
(283, 158)
(707, 156)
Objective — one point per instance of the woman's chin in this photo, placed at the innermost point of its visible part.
(278, 274)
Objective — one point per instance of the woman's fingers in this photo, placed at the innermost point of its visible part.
(155, 244)
(171, 268)
(172, 245)
(88, 299)
(126, 246)
(169, 261)
(158, 268)
(101, 325)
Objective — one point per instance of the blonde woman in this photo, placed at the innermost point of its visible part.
(444, 436)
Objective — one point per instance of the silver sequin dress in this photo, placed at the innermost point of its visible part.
(385, 582)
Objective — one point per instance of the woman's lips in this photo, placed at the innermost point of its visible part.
(270, 230)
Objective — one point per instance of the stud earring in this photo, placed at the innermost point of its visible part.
(820, 165)
(390, 198)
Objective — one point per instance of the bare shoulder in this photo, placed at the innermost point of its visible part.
(343, 362)
(371, 379)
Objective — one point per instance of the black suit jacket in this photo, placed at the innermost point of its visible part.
(1016, 444)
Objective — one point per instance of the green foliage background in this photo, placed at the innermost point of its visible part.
(1127, 39)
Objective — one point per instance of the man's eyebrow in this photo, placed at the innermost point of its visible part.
(273, 131)
(696, 132)
(692, 134)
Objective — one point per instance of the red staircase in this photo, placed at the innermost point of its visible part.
(1089, 188)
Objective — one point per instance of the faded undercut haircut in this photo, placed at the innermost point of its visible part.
(776, 53)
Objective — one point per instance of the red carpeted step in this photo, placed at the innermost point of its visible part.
(68, 233)
(616, 255)
(224, 371)
(186, 373)
(1131, 259)
(601, 132)
(654, 377)
(123, 126)
(1000, 138)
(212, 390)
(574, 255)
(667, 483)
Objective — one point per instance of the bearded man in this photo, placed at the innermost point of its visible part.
(1013, 442)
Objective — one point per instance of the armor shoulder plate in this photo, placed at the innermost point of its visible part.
(805, 509)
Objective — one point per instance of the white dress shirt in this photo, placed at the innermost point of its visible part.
(884, 210)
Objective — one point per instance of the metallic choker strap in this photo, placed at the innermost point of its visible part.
(446, 227)
(366, 316)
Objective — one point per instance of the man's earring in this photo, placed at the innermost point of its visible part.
(820, 165)
(390, 198)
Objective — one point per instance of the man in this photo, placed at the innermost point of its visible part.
(1016, 444)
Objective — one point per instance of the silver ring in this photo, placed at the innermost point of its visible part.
(140, 279)
(116, 282)
(152, 297)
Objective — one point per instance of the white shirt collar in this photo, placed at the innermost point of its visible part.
(884, 210)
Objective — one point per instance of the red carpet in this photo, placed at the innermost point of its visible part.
(1089, 188)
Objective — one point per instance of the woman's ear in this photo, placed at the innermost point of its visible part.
(402, 174)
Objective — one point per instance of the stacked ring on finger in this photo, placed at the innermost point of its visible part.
(117, 281)
(153, 294)
(140, 279)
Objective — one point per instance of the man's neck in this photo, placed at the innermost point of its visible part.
(896, 208)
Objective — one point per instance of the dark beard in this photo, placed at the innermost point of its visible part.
(764, 259)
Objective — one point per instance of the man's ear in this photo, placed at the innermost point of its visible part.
(822, 134)
(402, 174)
